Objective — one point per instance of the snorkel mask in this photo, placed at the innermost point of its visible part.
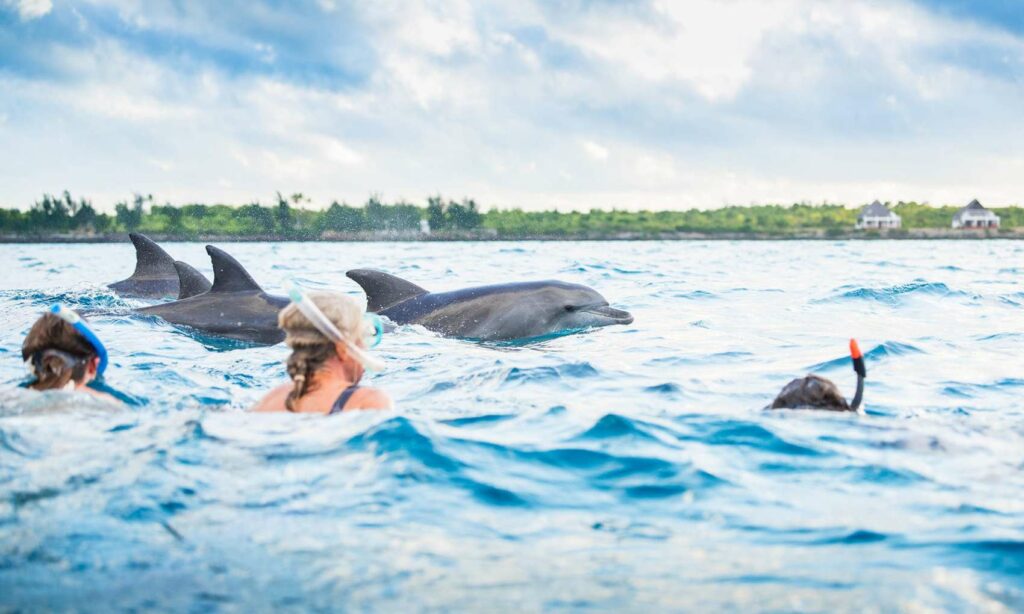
(325, 326)
(83, 329)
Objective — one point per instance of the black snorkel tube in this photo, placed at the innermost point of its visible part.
(862, 373)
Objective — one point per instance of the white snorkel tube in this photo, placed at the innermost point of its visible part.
(325, 326)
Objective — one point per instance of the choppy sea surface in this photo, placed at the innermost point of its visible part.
(630, 468)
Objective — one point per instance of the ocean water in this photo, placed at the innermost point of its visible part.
(628, 469)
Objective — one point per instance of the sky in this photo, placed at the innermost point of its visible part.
(569, 104)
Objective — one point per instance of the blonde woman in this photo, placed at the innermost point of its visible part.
(328, 337)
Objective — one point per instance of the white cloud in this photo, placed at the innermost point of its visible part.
(439, 29)
(163, 165)
(701, 103)
(595, 151)
(337, 152)
(706, 44)
(31, 9)
(654, 168)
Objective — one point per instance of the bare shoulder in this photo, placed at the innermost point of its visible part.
(274, 400)
(370, 398)
(102, 395)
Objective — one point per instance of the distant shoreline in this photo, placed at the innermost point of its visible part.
(410, 237)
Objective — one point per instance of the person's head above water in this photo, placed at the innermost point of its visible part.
(325, 363)
(813, 392)
(58, 356)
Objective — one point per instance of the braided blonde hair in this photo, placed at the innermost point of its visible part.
(311, 348)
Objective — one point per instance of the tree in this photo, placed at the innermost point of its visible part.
(435, 213)
(255, 219)
(342, 218)
(130, 217)
(85, 216)
(283, 215)
(464, 216)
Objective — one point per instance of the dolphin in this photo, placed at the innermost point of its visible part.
(154, 276)
(503, 312)
(190, 281)
(234, 307)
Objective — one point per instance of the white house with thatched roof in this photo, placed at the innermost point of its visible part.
(877, 215)
(975, 216)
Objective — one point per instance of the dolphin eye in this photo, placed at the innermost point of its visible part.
(570, 308)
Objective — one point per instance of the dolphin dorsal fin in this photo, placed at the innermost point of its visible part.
(228, 275)
(151, 261)
(190, 281)
(383, 290)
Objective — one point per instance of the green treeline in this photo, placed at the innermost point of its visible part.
(288, 218)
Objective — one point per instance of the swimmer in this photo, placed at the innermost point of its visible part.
(328, 335)
(63, 353)
(813, 392)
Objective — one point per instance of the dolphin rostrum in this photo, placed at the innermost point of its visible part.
(154, 275)
(502, 312)
(235, 306)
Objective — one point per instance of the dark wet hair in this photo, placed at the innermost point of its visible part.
(811, 392)
(57, 352)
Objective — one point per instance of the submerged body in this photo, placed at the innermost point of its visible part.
(501, 312)
(235, 307)
(324, 398)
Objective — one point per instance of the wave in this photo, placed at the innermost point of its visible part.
(1015, 299)
(726, 357)
(970, 390)
(464, 462)
(748, 435)
(1014, 336)
(545, 374)
(696, 295)
(615, 426)
(894, 295)
(12, 441)
(879, 353)
(855, 537)
(668, 390)
(86, 300)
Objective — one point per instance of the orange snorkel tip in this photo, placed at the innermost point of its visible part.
(855, 350)
(858, 359)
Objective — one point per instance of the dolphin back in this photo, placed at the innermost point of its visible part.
(235, 306)
(154, 275)
(151, 261)
(228, 274)
(190, 281)
(384, 290)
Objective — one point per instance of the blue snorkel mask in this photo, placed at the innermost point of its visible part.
(375, 322)
(83, 329)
